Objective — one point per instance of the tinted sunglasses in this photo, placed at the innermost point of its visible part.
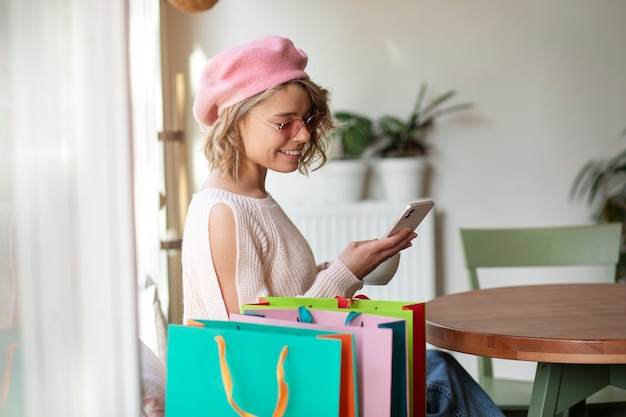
(290, 129)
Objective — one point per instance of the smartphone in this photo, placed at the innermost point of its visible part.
(411, 216)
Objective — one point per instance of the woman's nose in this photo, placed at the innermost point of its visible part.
(303, 134)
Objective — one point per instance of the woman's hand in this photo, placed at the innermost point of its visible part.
(321, 267)
(364, 256)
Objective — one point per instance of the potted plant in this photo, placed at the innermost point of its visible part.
(354, 133)
(345, 174)
(398, 138)
(603, 184)
(402, 144)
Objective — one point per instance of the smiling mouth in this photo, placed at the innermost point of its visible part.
(292, 153)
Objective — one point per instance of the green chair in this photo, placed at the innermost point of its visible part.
(588, 245)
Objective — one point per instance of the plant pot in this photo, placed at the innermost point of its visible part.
(344, 180)
(402, 178)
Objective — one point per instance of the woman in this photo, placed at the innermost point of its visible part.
(263, 112)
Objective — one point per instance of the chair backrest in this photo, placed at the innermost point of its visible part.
(597, 244)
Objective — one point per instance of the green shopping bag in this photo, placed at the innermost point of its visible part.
(228, 368)
(413, 312)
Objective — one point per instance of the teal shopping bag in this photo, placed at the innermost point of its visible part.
(254, 356)
(413, 312)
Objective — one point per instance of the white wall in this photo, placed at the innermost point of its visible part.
(548, 80)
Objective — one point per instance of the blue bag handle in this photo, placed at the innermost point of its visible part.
(305, 316)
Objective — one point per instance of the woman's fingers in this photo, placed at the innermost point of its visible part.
(364, 256)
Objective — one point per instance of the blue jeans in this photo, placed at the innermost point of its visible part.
(452, 392)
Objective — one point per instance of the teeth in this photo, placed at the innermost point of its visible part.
(294, 153)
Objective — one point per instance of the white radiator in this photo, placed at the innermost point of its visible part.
(330, 228)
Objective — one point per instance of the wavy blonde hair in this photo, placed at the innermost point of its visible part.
(223, 147)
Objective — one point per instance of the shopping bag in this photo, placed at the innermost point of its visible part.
(381, 352)
(11, 382)
(412, 312)
(228, 368)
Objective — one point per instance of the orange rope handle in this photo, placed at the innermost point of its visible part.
(6, 379)
(283, 388)
(227, 380)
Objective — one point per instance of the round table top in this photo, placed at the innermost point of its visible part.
(558, 323)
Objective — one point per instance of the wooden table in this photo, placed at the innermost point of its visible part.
(576, 333)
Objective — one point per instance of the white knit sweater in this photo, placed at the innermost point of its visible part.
(273, 258)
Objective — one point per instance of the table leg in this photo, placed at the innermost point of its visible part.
(545, 390)
(558, 387)
(618, 376)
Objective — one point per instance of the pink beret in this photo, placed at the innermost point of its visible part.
(244, 71)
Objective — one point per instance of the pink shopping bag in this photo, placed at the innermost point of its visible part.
(374, 342)
(412, 312)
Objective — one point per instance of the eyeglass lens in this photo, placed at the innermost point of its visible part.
(290, 129)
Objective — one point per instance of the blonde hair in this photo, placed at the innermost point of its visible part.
(223, 147)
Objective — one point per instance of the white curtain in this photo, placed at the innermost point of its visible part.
(71, 138)
(149, 181)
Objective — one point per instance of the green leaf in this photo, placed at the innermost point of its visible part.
(355, 132)
(439, 101)
(417, 109)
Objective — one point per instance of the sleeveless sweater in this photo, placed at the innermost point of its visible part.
(273, 258)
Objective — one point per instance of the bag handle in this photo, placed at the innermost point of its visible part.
(227, 380)
(305, 316)
(6, 379)
(343, 302)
